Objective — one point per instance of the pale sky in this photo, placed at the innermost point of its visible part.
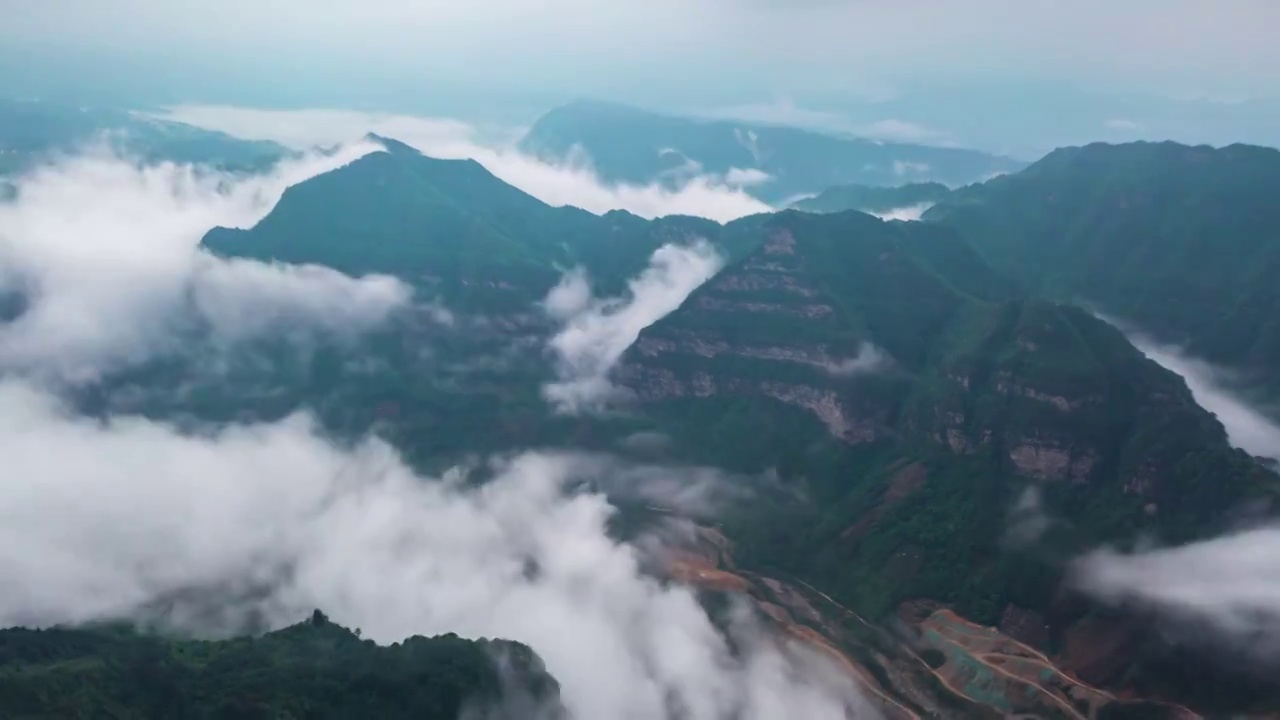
(841, 56)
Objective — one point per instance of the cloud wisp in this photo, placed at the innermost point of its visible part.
(1247, 428)
(255, 525)
(909, 213)
(869, 359)
(1229, 584)
(572, 183)
(597, 331)
(106, 256)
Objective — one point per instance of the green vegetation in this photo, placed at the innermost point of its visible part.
(1181, 241)
(314, 669)
(898, 479)
(451, 228)
(633, 146)
(988, 393)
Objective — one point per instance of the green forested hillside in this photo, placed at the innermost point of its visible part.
(1182, 241)
(909, 469)
(452, 227)
(464, 240)
(314, 669)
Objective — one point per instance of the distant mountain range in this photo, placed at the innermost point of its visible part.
(35, 131)
(775, 164)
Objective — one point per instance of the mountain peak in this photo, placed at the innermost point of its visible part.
(395, 147)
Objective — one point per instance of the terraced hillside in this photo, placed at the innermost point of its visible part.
(922, 662)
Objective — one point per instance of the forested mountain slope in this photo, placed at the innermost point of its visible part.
(450, 226)
(1183, 242)
(916, 400)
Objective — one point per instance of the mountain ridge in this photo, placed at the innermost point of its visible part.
(914, 464)
(1178, 240)
(630, 145)
(905, 392)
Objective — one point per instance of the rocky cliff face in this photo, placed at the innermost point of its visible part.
(766, 330)
(911, 410)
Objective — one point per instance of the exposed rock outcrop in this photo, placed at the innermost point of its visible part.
(1047, 460)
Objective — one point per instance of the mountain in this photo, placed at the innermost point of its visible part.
(449, 225)
(627, 145)
(912, 399)
(1183, 242)
(874, 200)
(907, 397)
(314, 669)
(34, 131)
(461, 370)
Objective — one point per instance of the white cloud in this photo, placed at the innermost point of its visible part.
(1230, 584)
(907, 212)
(749, 140)
(1028, 520)
(902, 131)
(783, 112)
(791, 200)
(573, 183)
(905, 167)
(1123, 125)
(748, 177)
(570, 297)
(108, 253)
(265, 522)
(688, 168)
(788, 114)
(593, 339)
(244, 298)
(869, 359)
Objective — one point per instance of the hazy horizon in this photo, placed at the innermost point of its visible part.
(1015, 78)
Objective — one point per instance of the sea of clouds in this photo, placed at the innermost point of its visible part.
(252, 525)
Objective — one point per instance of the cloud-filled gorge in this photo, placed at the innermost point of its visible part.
(598, 331)
(252, 525)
